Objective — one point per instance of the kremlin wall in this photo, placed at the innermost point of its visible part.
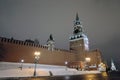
(12, 50)
(15, 51)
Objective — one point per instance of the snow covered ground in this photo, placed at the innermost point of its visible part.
(8, 69)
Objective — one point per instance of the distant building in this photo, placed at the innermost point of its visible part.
(12, 50)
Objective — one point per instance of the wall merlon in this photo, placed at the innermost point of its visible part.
(24, 43)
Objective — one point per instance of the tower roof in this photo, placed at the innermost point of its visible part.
(50, 38)
(77, 21)
(78, 30)
(77, 18)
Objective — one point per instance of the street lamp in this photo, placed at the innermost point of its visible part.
(66, 65)
(87, 60)
(37, 56)
(22, 61)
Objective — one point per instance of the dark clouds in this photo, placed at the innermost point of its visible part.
(23, 19)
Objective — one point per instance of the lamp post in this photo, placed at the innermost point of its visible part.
(22, 61)
(66, 65)
(87, 60)
(37, 56)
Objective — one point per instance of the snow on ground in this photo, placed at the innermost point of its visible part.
(22, 73)
(8, 69)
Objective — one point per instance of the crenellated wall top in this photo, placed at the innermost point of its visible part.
(29, 43)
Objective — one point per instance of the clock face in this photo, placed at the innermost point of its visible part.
(76, 31)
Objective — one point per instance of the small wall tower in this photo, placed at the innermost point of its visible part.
(78, 41)
(50, 43)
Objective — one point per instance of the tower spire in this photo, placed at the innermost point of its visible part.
(50, 38)
(77, 18)
(77, 25)
(77, 21)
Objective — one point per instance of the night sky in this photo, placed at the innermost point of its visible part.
(37, 19)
